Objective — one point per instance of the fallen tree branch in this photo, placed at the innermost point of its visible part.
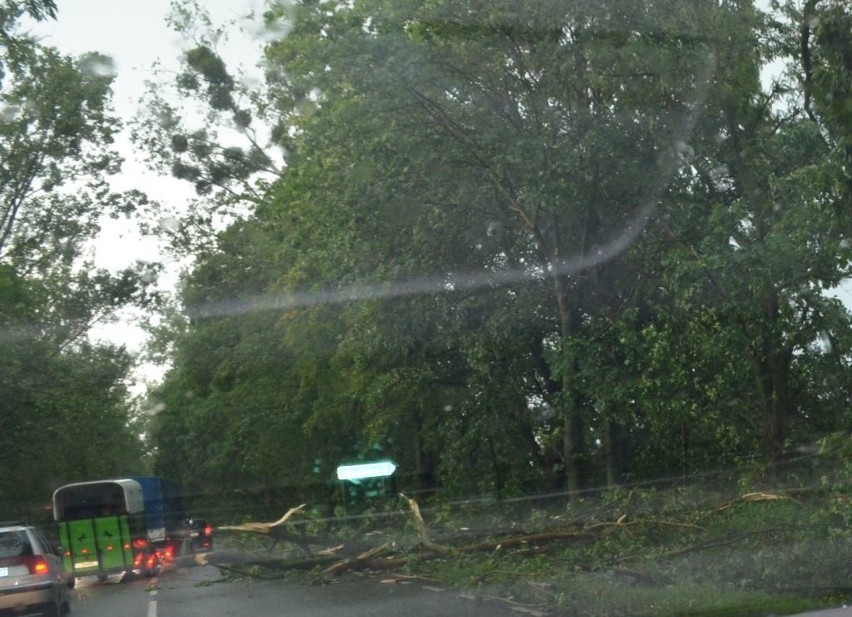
(423, 529)
(406, 578)
(429, 549)
(264, 528)
(730, 540)
(346, 564)
(752, 498)
(331, 551)
(523, 540)
(231, 559)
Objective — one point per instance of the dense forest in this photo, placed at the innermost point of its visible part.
(514, 247)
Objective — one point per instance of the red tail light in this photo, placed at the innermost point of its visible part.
(208, 531)
(36, 564)
(40, 566)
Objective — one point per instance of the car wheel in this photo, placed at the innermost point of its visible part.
(52, 610)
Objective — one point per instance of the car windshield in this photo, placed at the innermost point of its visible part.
(541, 303)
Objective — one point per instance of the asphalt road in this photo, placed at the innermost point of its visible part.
(202, 591)
(845, 611)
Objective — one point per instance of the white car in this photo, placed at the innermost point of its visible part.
(33, 578)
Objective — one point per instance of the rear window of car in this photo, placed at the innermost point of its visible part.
(14, 544)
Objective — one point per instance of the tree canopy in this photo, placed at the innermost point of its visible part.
(64, 404)
(512, 246)
(518, 246)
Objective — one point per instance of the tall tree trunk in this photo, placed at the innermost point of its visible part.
(573, 444)
(499, 481)
(615, 446)
(773, 372)
(779, 365)
(422, 459)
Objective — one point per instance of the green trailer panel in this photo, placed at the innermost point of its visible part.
(97, 545)
(110, 540)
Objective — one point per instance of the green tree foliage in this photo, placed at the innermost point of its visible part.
(64, 401)
(519, 246)
(226, 414)
(64, 409)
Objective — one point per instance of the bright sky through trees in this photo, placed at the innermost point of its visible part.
(136, 36)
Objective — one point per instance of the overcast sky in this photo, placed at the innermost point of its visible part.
(135, 35)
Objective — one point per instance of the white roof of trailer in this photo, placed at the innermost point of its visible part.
(131, 489)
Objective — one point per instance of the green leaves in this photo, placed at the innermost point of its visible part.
(210, 67)
(519, 245)
(65, 400)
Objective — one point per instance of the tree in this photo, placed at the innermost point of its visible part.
(227, 160)
(64, 409)
(55, 160)
(516, 242)
(566, 83)
(64, 399)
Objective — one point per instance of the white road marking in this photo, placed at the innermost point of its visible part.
(152, 604)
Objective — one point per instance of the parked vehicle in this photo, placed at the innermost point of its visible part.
(32, 574)
(112, 526)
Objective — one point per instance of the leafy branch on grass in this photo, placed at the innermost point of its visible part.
(636, 549)
(345, 557)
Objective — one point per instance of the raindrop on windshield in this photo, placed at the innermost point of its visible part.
(169, 223)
